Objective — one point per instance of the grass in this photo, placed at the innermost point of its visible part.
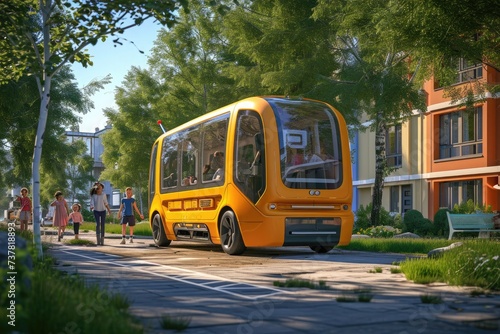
(406, 246)
(431, 299)
(476, 263)
(48, 300)
(175, 323)
(140, 228)
(298, 283)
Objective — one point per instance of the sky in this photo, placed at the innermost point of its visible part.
(116, 61)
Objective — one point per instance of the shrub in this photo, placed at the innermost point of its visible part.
(363, 218)
(470, 207)
(441, 227)
(411, 219)
(424, 227)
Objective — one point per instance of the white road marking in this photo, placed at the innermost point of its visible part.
(187, 275)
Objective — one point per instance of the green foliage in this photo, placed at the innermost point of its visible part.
(363, 218)
(475, 263)
(424, 227)
(379, 231)
(394, 245)
(175, 323)
(470, 207)
(299, 283)
(441, 226)
(411, 219)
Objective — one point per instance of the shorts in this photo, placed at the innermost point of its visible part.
(130, 220)
(25, 215)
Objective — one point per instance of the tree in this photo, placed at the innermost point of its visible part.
(280, 48)
(375, 73)
(438, 34)
(41, 37)
(186, 78)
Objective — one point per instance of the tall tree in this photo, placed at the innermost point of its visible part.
(280, 48)
(375, 73)
(43, 36)
(186, 78)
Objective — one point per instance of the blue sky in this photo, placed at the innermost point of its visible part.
(116, 61)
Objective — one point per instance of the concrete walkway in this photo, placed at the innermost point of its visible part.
(219, 304)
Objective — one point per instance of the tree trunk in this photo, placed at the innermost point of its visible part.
(37, 155)
(380, 170)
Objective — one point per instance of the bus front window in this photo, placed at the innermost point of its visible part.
(309, 145)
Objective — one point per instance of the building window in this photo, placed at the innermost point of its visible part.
(394, 198)
(461, 133)
(468, 70)
(451, 193)
(393, 146)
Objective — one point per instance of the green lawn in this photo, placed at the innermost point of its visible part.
(141, 228)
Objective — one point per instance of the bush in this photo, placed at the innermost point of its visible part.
(411, 219)
(470, 207)
(441, 227)
(424, 227)
(363, 218)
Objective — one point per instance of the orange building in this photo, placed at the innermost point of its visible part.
(442, 157)
(464, 146)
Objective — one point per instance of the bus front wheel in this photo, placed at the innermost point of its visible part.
(230, 235)
(159, 236)
(321, 249)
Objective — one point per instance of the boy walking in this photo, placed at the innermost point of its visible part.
(126, 212)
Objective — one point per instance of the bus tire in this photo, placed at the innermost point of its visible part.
(320, 249)
(230, 235)
(159, 236)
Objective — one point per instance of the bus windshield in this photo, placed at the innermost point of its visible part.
(309, 139)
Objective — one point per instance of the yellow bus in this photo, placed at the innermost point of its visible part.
(261, 172)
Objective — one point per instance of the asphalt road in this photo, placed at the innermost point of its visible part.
(219, 293)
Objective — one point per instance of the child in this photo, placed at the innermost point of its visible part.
(25, 213)
(127, 208)
(77, 218)
(60, 214)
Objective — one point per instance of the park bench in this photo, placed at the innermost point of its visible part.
(474, 222)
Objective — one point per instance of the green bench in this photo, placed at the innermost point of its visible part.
(474, 222)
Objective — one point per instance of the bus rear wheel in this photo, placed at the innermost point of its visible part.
(320, 249)
(159, 236)
(230, 235)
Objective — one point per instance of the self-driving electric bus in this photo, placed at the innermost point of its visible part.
(261, 172)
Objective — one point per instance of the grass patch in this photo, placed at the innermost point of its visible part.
(79, 242)
(376, 270)
(175, 323)
(365, 297)
(297, 283)
(346, 299)
(51, 301)
(431, 299)
(476, 263)
(141, 228)
(395, 270)
(405, 246)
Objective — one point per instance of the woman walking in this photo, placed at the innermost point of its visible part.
(99, 204)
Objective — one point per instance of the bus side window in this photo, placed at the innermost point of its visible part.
(213, 143)
(249, 168)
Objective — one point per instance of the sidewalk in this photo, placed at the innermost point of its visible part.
(163, 284)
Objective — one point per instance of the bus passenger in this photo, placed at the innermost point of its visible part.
(218, 165)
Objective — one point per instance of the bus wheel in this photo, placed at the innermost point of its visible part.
(159, 236)
(321, 249)
(230, 235)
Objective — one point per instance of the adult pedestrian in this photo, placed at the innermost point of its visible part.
(99, 205)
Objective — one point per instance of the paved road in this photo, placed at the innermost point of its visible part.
(235, 294)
